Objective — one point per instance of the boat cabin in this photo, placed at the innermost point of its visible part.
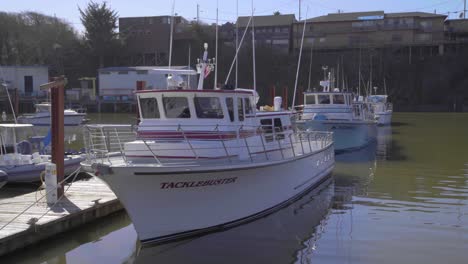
(327, 98)
(204, 110)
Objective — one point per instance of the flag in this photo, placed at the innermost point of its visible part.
(48, 138)
(207, 71)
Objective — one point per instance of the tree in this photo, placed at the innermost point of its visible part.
(277, 13)
(100, 23)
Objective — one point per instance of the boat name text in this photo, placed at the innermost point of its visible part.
(194, 184)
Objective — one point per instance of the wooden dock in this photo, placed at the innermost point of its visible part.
(85, 201)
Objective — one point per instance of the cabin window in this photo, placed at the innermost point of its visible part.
(208, 107)
(176, 107)
(323, 99)
(248, 106)
(310, 99)
(278, 128)
(240, 109)
(267, 126)
(338, 99)
(149, 108)
(230, 108)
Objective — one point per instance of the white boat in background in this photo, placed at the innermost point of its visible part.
(42, 116)
(20, 159)
(205, 160)
(351, 122)
(383, 110)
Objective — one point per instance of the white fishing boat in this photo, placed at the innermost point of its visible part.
(383, 110)
(204, 160)
(352, 122)
(21, 160)
(42, 116)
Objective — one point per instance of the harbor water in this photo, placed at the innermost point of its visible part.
(402, 199)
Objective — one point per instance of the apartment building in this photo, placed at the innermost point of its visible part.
(371, 29)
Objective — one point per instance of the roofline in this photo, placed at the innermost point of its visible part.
(195, 91)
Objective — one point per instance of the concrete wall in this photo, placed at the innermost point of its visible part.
(15, 75)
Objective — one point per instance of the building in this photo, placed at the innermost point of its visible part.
(120, 83)
(456, 30)
(147, 38)
(371, 29)
(27, 79)
(275, 31)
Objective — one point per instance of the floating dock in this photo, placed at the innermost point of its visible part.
(85, 200)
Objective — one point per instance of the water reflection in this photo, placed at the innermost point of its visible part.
(282, 237)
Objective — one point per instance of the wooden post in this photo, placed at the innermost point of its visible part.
(57, 87)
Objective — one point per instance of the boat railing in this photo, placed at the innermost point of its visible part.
(228, 144)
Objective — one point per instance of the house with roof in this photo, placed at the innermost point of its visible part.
(120, 83)
(371, 29)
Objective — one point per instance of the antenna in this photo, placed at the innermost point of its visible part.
(171, 35)
(299, 60)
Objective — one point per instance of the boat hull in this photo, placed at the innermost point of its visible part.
(170, 204)
(69, 120)
(347, 135)
(384, 118)
(31, 172)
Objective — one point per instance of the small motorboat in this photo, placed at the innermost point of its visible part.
(42, 116)
(22, 159)
(383, 110)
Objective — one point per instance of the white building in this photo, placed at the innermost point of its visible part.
(26, 79)
(120, 83)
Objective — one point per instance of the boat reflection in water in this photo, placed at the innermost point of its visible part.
(282, 237)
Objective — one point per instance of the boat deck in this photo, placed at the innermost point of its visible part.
(84, 201)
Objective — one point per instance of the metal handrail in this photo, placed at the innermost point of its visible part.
(107, 146)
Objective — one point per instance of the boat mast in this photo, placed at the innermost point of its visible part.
(299, 60)
(9, 100)
(216, 50)
(253, 50)
(171, 35)
(237, 39)
(202, 67)
(237, 51)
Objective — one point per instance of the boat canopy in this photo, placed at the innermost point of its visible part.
(327, 98)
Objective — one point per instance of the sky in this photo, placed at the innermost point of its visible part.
(68, 9)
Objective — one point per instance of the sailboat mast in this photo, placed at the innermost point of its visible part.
(237, 40)
(216, 50)
(253, 50)
(299, 60)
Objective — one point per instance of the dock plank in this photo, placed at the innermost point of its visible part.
(41, 221)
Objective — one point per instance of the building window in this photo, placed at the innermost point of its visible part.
(142, 72)
(176, 107)
(149, 108)
(123, 72)
(277, 30)
(208, 107)
(280, 42)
